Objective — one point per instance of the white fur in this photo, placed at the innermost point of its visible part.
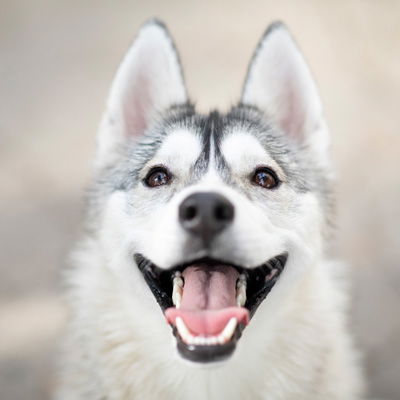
(242, 151)
(296, 347)
(190, 147)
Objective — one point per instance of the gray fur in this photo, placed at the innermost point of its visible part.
(295, 159)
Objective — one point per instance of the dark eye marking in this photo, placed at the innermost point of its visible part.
(266, 178)
(157, 176)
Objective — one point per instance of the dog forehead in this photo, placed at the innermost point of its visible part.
(240, 143)
(243, 151)
(181, 144)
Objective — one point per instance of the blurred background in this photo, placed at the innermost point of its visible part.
(57, 60)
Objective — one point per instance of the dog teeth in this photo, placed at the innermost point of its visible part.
(183, 330)
(241, 297)
(190, 339)
(241, 291)
(177, 289)
(228, 331)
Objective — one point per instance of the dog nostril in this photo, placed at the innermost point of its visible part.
(223, 213)
(190, 213)
(205, 214)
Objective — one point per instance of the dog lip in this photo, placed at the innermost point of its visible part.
(211, 353)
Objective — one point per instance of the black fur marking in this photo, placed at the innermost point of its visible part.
(218, 131)
(211, 130)
(201, 164)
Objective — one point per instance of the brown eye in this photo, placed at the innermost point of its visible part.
(266, 178)
(158, 176)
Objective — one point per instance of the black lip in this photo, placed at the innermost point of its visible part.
(208, 354)
(160, 283)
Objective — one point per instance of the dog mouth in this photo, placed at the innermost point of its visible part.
(209, 302)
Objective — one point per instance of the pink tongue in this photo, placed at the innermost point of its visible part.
(209, 288)
(208, 300)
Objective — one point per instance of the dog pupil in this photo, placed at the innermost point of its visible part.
(158, 179)
(264, 179)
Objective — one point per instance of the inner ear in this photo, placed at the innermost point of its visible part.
(280, 84)
(148, 82)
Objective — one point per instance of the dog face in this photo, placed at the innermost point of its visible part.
(216, 213)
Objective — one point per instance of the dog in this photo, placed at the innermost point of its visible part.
(202, 270)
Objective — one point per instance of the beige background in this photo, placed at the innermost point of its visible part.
(57, 59)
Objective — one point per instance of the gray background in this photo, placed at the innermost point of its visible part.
(57, 59)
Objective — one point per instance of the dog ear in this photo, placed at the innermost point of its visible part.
(148, 81)
(280, 84)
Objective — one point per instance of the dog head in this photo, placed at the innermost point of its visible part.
(212, 216)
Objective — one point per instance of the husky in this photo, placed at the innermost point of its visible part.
(203, 272)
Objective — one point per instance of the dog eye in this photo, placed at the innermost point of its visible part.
(157, 176)
(266, 178)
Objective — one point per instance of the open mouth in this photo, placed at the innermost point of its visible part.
(208, 302)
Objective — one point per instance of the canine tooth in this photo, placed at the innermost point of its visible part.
(176, 297)
(241, 291)
(229, 329)
(183, 331)
(241, 297)
(241, 280)
(177, 290)
(178, 278)
(178, 281)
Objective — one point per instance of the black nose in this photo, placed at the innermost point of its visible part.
(205, 214)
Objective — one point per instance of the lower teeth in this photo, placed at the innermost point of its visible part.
(190, 339)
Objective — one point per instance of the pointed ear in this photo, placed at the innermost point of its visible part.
(280, 84)
(148, 81)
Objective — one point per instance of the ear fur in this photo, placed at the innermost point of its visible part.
(148, 81)
(280, 84)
